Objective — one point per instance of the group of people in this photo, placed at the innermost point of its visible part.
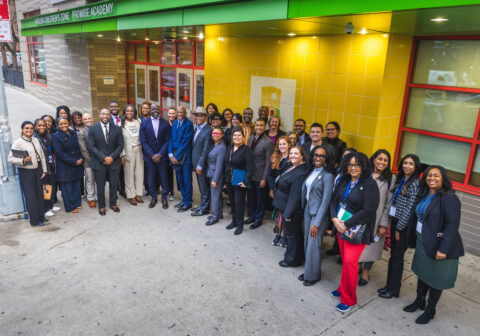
(313, 184)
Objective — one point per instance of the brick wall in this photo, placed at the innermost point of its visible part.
(470, 222)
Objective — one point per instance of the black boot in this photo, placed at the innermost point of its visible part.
(231, 225)
(418, 303)
(427, 315)
(238, 230)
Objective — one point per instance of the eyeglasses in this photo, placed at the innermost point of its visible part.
(330, 129)
(217, 133)
(319, 156)
(353, 165)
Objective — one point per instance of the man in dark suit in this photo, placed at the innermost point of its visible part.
(117, 121)
(202, 139)
(154, 137)
(105, 142)
(262, 148)
(180, 154)
(316, 134)
(300, 126)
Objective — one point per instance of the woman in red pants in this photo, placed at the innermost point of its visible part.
(354, 204)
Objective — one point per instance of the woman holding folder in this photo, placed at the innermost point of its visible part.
(27, 154)
(352, 210)
(238, 171)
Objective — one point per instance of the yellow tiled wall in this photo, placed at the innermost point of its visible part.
(355, 80)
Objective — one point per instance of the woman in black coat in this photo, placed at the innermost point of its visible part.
(287, 200)
(356, 193)
(68, 161)
(239, 160)
(438, 242)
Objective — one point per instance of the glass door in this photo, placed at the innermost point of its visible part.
(199, 88)
(140, 85)
(153, 74)
(184, 88)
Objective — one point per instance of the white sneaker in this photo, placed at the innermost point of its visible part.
(49, 214)
(171, 198)
(55, 208)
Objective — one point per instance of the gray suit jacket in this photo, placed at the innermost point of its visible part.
(83, 144)
(216, 162)
(321, 191)
(261, 157)
(200, 147)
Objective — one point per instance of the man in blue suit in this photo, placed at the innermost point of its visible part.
(154, 137)
(180, 154)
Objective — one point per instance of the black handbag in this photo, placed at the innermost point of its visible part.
(354, 235)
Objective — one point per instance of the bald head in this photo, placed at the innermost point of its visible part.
(87, 119)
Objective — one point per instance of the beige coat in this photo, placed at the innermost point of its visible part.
(21, 144)
(373, 252)
(127, 142)
(83, 144)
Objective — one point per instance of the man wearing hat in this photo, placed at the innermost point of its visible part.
(202, 139)
(180, 154)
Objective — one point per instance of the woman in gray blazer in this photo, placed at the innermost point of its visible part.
(382, 174)
(316, 193)
(215, 174)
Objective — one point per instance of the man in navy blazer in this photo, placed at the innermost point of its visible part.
(154, 137)
(180, 154)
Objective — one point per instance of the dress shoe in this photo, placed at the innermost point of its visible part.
(211, 222)
(184, 208)
(178, 205)
(153, 202)
(283, 263)
(79, 207)
(362, 282)
(427, 315)
(250, 221)
(115, 208)
(44, 220)
(195, 209)
(382, 290)
(92, 204)
(74, 211)
(255, 226)
(238, 230)
(309, 282)
(38, 224)
(139, 199)
(276, 241)
(300, 277)
(230, 226)
(102, 211)
(283, 242)
(164, 203)
(419, 303)
(210, 217)
(133, 201)
(388, 295)
(199, 213)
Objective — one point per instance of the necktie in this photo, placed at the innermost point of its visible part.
(106, 133)
(117, 119)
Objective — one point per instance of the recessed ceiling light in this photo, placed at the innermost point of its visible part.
(314, 37)
(119, 39)
(439, 19)
(363, 31)
(291, 34)
(147, 38)
(201, 36)
(185, 31)
(220, 38)
(185, 38)
(272, 28)
(385, 35)
(99, 35)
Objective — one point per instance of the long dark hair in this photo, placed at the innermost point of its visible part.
(446, 183)
(124, 118)
(329, 165)
(212, 105)
(67, 109)
(401, 174)
(386, 174)
(54, 124)
(361, 159)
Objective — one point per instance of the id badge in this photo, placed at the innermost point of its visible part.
(376, 239)
(393, 210)
(419, 227)
(340, 212)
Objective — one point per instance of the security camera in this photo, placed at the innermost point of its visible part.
(349, 28)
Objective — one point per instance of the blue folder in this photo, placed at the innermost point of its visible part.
(238, 176)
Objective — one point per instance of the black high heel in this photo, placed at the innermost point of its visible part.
(419, 303)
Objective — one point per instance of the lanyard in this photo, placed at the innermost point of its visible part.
(399, 189)
(423, 205)
(347, 191)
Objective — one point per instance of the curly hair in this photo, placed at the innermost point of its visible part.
(361, 159)
(329, 165)
(446, 183)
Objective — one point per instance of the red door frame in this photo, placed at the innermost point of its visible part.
(475, 141)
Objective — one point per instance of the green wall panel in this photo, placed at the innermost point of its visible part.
(99, 25)
(125, 7)
(307, 8)
(237, 12)
(152, 20)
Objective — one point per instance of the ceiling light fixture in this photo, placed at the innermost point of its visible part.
(201, 36)
(185, 38)
(314, 37)
(147, 38)
(439, 19)
(272, 28)
(99, 35)
(363, 31)
(220, 38)
(119, 39)
(385, 35)
(291, 34)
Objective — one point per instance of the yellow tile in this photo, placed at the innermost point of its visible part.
(321, 117)
(306, 114)
(355, 84)
(340, 63)
(370, 106)
(298, 96)
(353, 104)
(358, 64)
(350, 139)
(298, 61)
(343, 45)
(309, 80)
(394, 125)
(365, 145)
(400, 45)
(298, 76)
(322, 100)
(327, 45)
(350, 124)
(383, 128)
(339, 83)
(375, 65)
(337, 102)
(324, 81)
(336, 116)
(325, 63)
(373, 86)
(367, 127)
(360, 44)
(311, 62)
(285, 61)
(396, 66)
(308, 97)
(378, 45)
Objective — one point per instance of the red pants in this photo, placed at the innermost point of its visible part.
(348, 281)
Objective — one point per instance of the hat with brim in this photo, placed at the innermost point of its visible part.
(200, 110)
